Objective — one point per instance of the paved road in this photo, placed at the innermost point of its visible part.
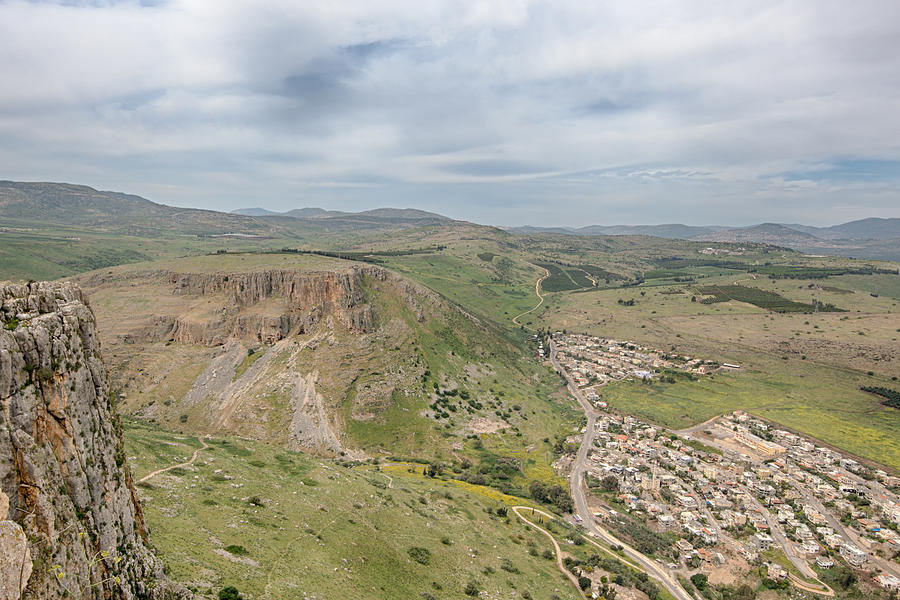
(778, 535)
(576, 480)
(848, 533)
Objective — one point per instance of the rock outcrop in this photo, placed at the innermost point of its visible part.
(259, 306)
(62, 462)
(15, 556)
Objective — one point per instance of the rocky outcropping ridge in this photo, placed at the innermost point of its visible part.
(62, 462)
(259, 306)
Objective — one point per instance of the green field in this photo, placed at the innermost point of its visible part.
(761, 298)
(276, 524)
(830, 409)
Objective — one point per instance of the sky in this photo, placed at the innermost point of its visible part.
(508, 112)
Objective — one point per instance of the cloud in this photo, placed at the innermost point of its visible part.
(488, 111)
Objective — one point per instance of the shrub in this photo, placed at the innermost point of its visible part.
(420, 555)
(471, 588)
(230, 593)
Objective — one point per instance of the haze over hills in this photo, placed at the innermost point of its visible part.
(873, 238)
(411, 214)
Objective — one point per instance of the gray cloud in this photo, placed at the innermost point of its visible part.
(501, 112)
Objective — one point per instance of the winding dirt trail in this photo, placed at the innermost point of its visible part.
(537, 290)
(811, 589)
(559, 557)
(184, 464)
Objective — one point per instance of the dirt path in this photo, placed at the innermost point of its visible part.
(559, 557)
(184, 464)
(695, 428)
(808, 588)
(537, 290)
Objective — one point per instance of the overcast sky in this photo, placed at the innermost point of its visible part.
(501, 112)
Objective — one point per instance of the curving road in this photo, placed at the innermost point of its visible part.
(537, 290)
(576, 479)
(559, 557)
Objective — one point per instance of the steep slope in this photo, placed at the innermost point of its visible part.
(314, 354)
(62, 461)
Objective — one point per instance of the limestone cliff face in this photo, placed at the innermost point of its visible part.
(62, 462)
(261, 306)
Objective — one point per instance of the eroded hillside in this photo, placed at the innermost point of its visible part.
(315, 354)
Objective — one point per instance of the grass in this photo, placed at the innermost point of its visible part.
(251, 358)
(350, 535)
(851, 420)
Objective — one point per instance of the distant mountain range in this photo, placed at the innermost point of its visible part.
(866, 238)
(41, 205)
(401, 214)
(28, 207)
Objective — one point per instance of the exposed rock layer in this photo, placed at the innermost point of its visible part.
(62, 462)
(297, 300)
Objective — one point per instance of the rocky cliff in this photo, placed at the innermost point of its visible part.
(259, 306)
(62, 463)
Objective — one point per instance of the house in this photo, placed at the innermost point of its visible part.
(888, 582)
(824, 562)
(762, 541)
(776, 572)
(853, 554)
(810, 547)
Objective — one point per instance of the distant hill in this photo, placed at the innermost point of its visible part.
(671, 231)
(766, 233)
(872, 238)
(872, 229)
(254, 212)
(66, 205)
(307, 213)
(387, 215)
(50, 230)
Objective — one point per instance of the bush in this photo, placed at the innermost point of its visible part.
(237, 551)
(230, 593)
(556, 495)
(420, 555)
(471, 588)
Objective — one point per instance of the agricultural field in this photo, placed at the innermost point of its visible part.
(762, 298)
(277, 524)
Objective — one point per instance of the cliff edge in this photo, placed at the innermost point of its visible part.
(62, 461)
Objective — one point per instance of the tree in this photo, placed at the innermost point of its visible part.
(584, 583)
(699, 580)
(609, 483)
